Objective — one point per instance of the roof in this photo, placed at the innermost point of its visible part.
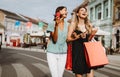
(117, 2)
(101, 32)
(13, 15)
(85, 3)
(21, 17)
(35, 21)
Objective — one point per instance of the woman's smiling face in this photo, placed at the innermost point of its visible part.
(64, 12)
(82, 13)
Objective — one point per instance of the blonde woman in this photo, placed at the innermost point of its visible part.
(80, 31)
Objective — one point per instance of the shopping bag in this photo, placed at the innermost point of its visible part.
(69, 57)
(95, 54)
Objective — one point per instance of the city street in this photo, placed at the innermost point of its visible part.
(32, 63)
(28, 27)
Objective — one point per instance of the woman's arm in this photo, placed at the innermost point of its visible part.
(70, 33)
(54, 34)
(71, 28)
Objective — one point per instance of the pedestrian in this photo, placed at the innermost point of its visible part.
(44, 42)
(57, 47)
(0, 45)
(79, 32)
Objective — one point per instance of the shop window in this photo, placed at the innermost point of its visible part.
(117, 38)
(99, 15)
(118, 13)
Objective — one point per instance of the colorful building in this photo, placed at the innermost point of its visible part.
(101, 15)
(14, 27)
(105, 14)
(116, 25)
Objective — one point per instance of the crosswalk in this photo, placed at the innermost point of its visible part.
(42, 68)
(37, 67)
(108, 71)
(21, 70)
(0, 70)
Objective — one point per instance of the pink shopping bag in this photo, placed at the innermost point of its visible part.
(95, 54)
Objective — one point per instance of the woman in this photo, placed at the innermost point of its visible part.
(80, 31)
(57, 47)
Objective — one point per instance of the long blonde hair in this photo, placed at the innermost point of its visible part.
(74, 21)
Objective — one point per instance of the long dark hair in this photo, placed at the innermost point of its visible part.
(57, 10)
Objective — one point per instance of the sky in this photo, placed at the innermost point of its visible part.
(42, 9)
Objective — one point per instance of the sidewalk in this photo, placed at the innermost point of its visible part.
(36, 49)
(114, 60)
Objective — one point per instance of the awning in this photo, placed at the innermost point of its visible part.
(15, 35)
(101, 32)
(37, 34)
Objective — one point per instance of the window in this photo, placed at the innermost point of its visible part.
(99, 15)
(18, 28)
(117, 39)
(9, 25)
(91, 13)
(98, 11)
(21, 27)
(119, 16)
(92, 0)
(105, 9)
(5, 38)
(118, 13)
(13, 26)
(34, 32)
(106, 12)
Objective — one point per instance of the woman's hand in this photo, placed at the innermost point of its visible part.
(55, 33)
(57, 21)
(75, 36)
(94, 30)
(83, 35)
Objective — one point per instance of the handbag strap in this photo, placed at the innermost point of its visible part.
(93, 40)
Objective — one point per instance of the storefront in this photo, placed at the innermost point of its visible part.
(15, 40)
(116, 37)
(2, 33)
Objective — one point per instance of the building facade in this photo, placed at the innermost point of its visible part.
(116, 25)
(12, 35)
(101, 15)
(37, 32)
(2, 27)
(14, 28)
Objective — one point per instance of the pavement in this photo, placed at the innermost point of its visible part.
(114, 60)
(112, 67)
(34, 48)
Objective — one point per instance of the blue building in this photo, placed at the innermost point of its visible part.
(102, 14)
